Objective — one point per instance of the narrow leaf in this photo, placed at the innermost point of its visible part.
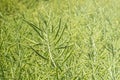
(38, 53)
(61, 34)
(35, 28)
(58, 29)
(70, 53)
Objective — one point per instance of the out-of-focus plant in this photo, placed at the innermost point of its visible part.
(8, 7)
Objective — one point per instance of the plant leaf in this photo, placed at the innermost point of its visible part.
(38, 54)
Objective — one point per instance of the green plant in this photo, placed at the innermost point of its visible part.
(73, 40)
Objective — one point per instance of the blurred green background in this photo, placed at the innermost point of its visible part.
(59, 40)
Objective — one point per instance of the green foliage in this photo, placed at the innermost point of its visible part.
(8, 6)
(59, 40)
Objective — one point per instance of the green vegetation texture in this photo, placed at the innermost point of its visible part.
(59, 39)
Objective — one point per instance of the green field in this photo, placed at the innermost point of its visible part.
(59, 39)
